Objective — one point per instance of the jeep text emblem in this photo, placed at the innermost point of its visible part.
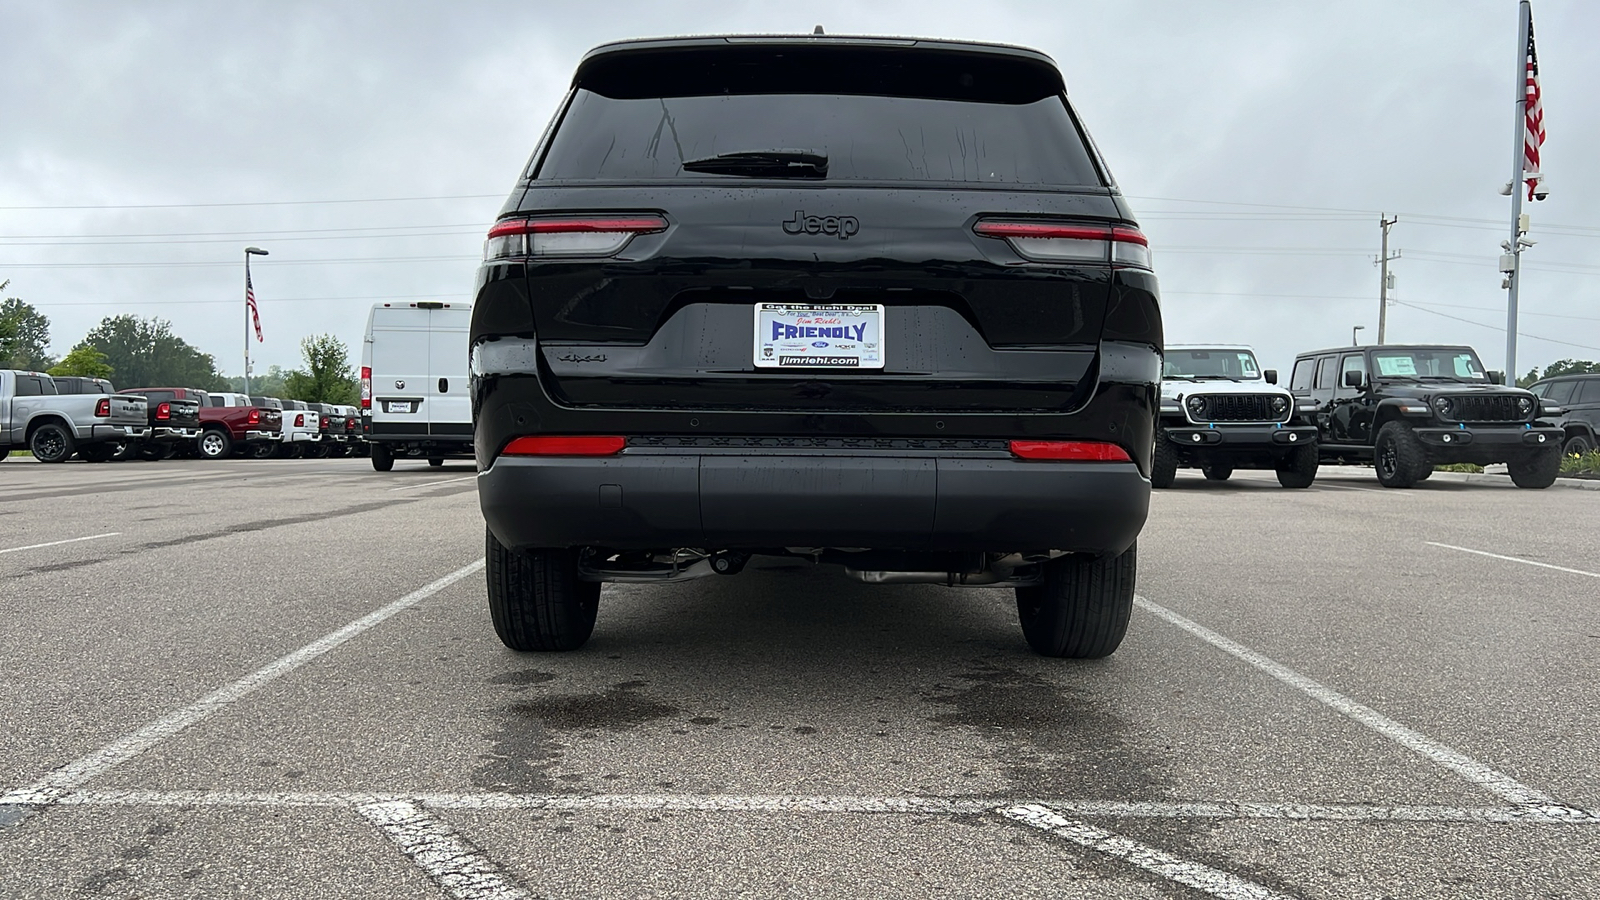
(843, 226)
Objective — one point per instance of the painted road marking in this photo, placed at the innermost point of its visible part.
(780, 804)
(1201, 877)
(70, 776)
(437, 849)
(1526, 562)
(92, 537)
(407, 487)
(1478, 773)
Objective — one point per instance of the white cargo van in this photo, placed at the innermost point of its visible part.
(414, 382)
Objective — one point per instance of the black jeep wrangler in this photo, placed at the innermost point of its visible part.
(1407, 408)
(874, 303)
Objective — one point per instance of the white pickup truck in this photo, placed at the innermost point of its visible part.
(54, 426)
(301, 428)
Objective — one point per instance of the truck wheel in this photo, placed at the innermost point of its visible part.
(122, 451)
(1398, 456)
(382, 459)
(156, 452)
(215, 444)
(1081, 611)
(536, 600)
(51, 443)
(97, 453)
(1164, 463)
(1299, 468)
(1217, 471)
(1577, 445)
(262, 451)
(316, 450)
(435, 461)
(1535, 470)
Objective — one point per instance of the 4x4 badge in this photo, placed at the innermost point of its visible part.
(842, 226)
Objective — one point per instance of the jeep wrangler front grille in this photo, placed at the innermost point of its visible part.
(1239, 408)
(1488, 408)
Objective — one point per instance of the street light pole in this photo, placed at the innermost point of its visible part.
(249, 298)
(1383, 275)
(1353, 330)
(1513, 279)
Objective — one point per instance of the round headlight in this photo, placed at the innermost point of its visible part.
(1197, 405)
(1280, 405)
(1525, 405)
(1443, 405)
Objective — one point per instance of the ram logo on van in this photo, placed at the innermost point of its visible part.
(842, 226)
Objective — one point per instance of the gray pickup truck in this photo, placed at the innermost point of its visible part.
(36, 417)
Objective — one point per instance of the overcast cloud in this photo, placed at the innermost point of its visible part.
(1325, 114)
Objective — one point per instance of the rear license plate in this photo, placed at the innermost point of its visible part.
(397, 406)
(819, 336)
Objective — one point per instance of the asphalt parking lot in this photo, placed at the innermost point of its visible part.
(264, 679)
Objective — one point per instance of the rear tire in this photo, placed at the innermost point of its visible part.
(1217, 471)
(1082, 609)
(1577, 445)
(1535, 470)
(1398, 456)
(156, 452)
(1299, 468)
(123, 451)
(316, 450)
(262, 451)
(382, 459)
(536, 600)
(1163, 463)
(435, 461)
(97, 453)
(52, 443)
(214, 444)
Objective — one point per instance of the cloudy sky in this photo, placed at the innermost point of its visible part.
(367, 145)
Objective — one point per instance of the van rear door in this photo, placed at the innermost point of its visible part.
(400, 357)
(448, 409)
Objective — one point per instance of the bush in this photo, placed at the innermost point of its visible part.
(1587, 464)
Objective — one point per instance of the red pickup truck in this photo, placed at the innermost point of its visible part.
(229, 421)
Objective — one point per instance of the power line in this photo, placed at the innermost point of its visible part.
(1498, 328)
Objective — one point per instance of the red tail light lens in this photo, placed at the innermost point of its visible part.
(300, 421)
(603, 235)
(366, 387)
(565, 445)
(254, 418)
(102, 407)
(1078, 451)
(164, 411)
(1058, 242)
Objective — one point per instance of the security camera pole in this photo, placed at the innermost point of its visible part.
(250, 313)
(1524, 167)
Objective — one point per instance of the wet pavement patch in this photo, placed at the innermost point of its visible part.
(525, 745)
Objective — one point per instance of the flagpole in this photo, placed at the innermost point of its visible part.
(247, 323)
(1518, 160)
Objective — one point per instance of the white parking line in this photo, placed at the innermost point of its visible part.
(1526, 562)
(407, 487)
(53, 786)
(1215, 882)
(438, 850)
(92, 537)
(1350, 487)
(1478, 773)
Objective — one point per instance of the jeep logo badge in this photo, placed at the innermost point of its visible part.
(842, 226)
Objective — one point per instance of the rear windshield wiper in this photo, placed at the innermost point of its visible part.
(763, 164)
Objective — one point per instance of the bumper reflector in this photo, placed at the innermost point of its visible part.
(1082, 451)
(565, 445)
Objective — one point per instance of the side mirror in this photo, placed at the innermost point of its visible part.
(1271, 375)
(1354, 379)
(1497, 377)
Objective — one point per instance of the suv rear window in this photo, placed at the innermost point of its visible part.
(878, 114)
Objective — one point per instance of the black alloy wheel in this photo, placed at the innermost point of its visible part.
(1577, 445)
(1398, 456)
(52, 443)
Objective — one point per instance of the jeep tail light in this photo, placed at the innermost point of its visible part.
(1077, 451)
(102, 408)
(366, 387)
(568, 235)
(254, 418)
(164, 411)
(1117, 245)
(565, 445)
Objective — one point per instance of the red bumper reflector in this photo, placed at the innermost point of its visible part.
(1082, 451)
(565, 445)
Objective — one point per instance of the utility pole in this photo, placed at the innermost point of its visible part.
(1383, 274)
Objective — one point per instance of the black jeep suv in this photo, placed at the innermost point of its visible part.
(867, 302)
(1578, 397)
(1407, 408)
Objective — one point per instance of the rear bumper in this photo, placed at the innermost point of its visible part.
(734, 500)
(170, 435)
(300, 437)
(262, 437)
(115, 433)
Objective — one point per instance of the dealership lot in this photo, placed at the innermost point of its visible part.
(255, 679)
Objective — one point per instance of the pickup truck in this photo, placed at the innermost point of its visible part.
(174, 422)
(36, 416)
(333, 422)
(230, 423)
(300, 428)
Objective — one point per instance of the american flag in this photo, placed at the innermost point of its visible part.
(250, 303)
(1533, 117)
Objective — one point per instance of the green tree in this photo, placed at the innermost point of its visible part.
(24, 336)
(269, 384)
(145, 353)
(327, 377)
(1571, 367)
(83, 360)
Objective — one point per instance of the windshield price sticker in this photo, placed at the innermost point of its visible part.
(1396, 365)
(818, 336)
